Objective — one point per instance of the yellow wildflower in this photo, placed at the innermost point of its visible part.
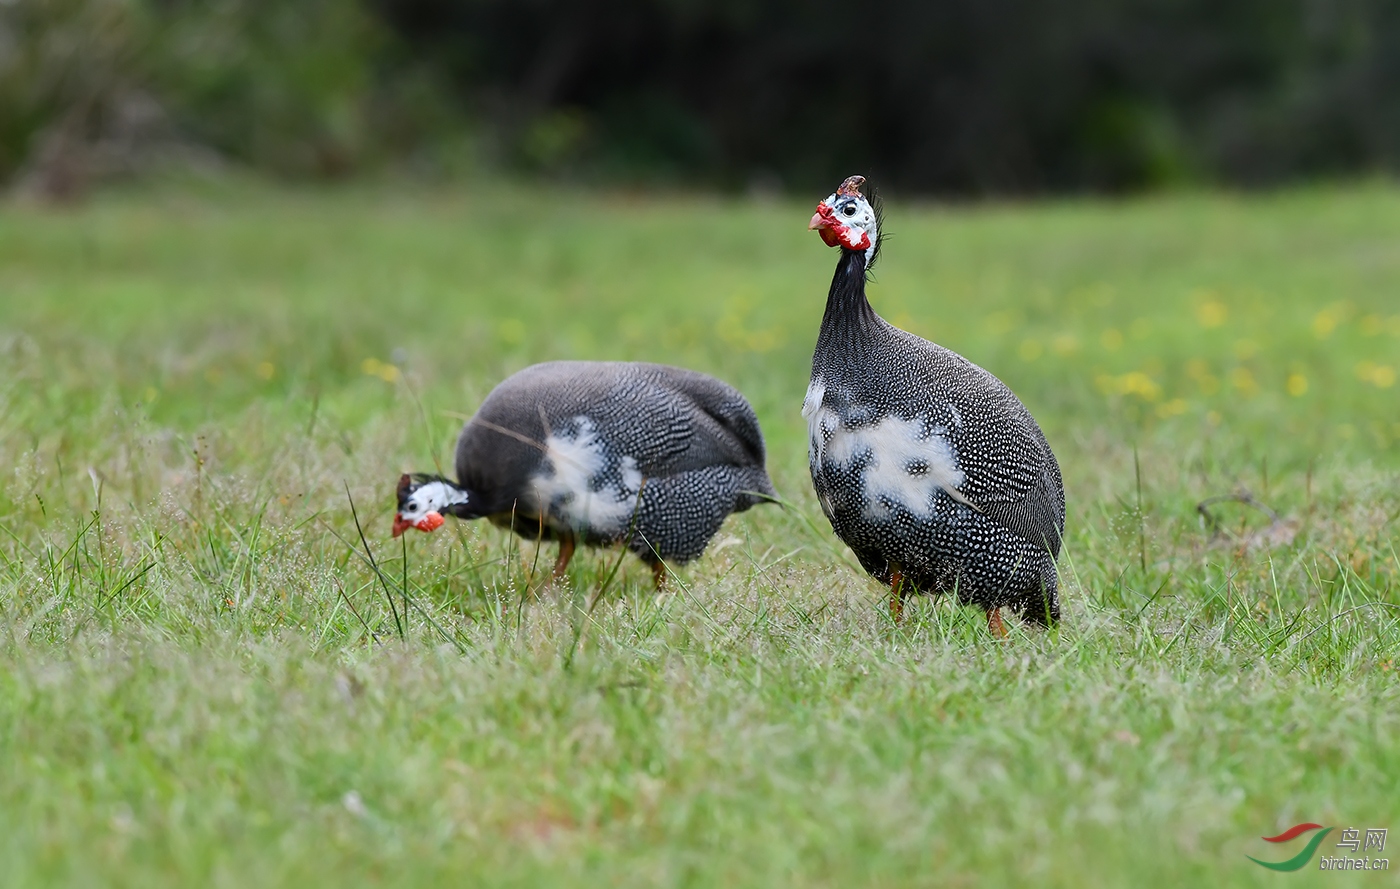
(375, 368)
(1243, 380)
(1172, 408)
(1382, 376)
(511, 331)
(1132, 383)
(1001, 322)
(1211, 313)
(1326, 321)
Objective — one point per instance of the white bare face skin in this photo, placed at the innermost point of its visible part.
(430, 497)
(855, 211)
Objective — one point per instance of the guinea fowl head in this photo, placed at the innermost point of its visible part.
(849, 219)
(421, 502)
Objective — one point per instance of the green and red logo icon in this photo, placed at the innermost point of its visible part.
(1299, 861)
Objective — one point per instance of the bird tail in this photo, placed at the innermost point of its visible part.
(759, 489)
(1042, 605)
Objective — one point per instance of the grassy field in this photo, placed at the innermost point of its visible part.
(203, 684)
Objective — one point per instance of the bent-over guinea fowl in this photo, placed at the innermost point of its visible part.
(928, 467)
(562, 450)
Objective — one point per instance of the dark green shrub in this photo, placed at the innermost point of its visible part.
(307, 88)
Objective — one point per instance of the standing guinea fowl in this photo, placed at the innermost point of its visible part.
(560, 451)
(928, 467)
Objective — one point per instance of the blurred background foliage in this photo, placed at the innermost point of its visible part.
(314, 88)
(941, 96)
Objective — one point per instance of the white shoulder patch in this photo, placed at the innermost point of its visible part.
(906, 465)
(563, 488)
(823, 423)
(816, 391)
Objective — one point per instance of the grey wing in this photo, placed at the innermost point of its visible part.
(728, 418)
(1022, 489)
(676, 423)
(1009, 471)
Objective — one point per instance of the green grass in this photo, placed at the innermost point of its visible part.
(202, 683)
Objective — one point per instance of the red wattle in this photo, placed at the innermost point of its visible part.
(850, 241)
(835, 233)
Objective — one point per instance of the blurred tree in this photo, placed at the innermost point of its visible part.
(68, 71)
(952, 96)
(281, 85)
(944, 95)
(311, 88)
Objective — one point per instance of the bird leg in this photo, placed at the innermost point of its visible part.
(896, 595)
(994, 624)
(658, 574)
(566, 552)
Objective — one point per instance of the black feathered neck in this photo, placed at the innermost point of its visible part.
(847, 294)
(850, 325)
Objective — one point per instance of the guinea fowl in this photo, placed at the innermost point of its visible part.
(927, 466)
(585, 451)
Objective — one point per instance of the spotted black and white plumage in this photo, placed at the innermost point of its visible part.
(928, 467)
(561, 450)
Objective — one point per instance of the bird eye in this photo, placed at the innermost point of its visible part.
(849, 209)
